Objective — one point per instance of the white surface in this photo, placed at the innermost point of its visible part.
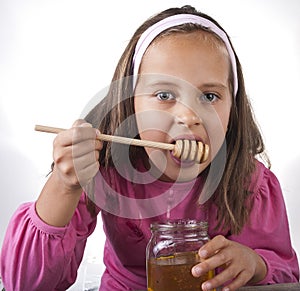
(56, 55)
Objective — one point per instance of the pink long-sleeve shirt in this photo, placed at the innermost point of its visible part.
(36, 256)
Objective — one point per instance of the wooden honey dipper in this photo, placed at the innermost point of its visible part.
(185, 149)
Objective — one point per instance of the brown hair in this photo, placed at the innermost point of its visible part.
(243, 139)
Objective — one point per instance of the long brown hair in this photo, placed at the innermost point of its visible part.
(243, 138)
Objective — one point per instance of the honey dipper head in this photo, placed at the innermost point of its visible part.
(191, 150)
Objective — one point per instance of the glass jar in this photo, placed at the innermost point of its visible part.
(172, 252)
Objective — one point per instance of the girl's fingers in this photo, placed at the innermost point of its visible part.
(237, 261)
(86, 147)
(84, 161)
(79, 134)
(78, 122)
(76, 153)
(221, 278)
(241, 279)
(214, 254)
(88, 173)
(76, 135)
(80, 170)
(213, 246)
(221, 258)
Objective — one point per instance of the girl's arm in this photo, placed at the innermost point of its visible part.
(268, 233)
(44, 242)
(262, 252)
(36, 256)
(238, 264)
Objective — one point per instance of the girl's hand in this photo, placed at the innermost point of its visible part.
(76, 154)
(240, 264)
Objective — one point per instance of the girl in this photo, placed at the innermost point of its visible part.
(187, 84)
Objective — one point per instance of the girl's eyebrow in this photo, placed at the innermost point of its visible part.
(216, 85)
(161, 83)
(178, 84)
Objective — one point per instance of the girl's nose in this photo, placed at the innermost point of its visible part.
(187, 117)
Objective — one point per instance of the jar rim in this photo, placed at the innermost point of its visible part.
(186, 224)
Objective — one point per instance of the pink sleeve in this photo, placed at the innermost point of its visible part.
(268, 232)
(36, 256)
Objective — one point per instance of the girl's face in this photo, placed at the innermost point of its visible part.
(183, 93)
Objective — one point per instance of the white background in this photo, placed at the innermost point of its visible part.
(55, 55)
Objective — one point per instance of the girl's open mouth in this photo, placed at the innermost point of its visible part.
(184, 163)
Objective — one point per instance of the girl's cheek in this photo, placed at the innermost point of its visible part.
(153, 120)
(216, 131)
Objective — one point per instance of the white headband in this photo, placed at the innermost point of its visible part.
(153, 31)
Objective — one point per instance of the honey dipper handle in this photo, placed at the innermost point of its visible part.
(48, 129)
(117, 139)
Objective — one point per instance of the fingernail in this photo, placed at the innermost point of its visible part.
(203, 253)
(197, 271)
(98, 133)
(206, 286)
(85, 124)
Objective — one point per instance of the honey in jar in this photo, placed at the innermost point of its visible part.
(172, 252)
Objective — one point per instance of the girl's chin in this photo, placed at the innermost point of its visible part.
(170, 169)
(181, 173)
(178, 178)
(182, 163)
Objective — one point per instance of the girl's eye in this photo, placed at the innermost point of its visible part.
(209, 97)
(164, 96)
